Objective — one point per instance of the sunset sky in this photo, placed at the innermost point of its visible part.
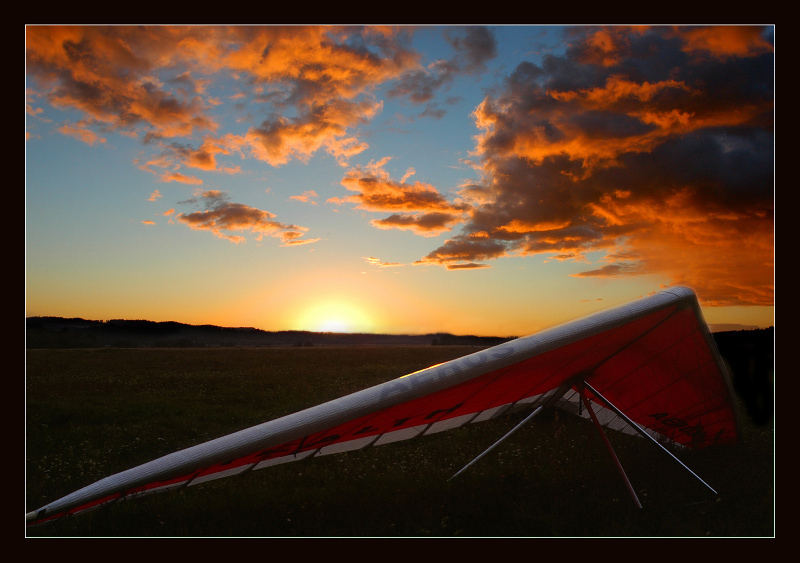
(473, 180)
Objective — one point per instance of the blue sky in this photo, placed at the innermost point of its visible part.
(483, 180)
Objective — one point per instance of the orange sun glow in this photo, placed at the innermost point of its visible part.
(335, 316)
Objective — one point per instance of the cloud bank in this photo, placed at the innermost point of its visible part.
(652, 147)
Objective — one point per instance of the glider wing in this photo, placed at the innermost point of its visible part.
(653, 358)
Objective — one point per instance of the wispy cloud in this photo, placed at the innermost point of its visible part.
(82, 133)
(467, 266)
(223, 217)
(380, 263)
(306, 197)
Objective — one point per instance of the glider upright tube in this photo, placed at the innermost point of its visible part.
(646, 435)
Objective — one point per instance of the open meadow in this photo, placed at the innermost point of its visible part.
(94, 412)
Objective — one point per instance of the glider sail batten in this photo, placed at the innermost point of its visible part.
(476, 386)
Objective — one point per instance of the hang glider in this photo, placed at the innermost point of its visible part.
(649, 366)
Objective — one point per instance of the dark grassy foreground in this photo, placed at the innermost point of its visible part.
(91, 413)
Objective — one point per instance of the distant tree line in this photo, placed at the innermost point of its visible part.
(750, 357)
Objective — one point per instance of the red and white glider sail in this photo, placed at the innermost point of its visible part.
(653, 359)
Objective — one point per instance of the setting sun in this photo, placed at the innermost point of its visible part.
(335, 316)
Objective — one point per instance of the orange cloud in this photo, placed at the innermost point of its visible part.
(81, 133)
(317, 83)
(596, 125)
(318, 54)
(518, 225)
(152, 81)
(204, 157)
(33, 112)
(175, 155)
(618, 90)
(105, 72)
(417, 206)
(278, 140)
(614, 147)
(222, 216)
(181, 178)
(725, 41)
(726, 254)
(306, 197)
(292, 239)
(377, 262)
(603, 47)
(171, 175)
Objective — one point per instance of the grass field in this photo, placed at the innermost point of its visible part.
(95, 412)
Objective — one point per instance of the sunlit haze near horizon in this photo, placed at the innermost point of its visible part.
(407, 180)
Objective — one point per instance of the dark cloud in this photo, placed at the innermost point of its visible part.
(433, 222)
(461, 250)
(473, 46)
(468, 266)
(422, 85)
(609, 125)
(646, 139)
